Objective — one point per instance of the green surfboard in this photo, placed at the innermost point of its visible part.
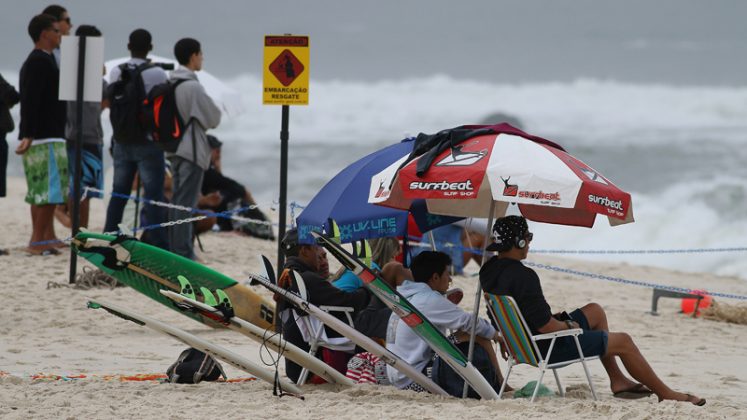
(149, 269)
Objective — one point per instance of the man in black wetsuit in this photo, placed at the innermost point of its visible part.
(221, 193)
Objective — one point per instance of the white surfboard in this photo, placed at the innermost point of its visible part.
(262, 336)
(196, 342)
(356, 337)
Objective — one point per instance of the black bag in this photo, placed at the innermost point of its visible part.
(194, 366)
(452, 383)
(126, 100)
(161, 116)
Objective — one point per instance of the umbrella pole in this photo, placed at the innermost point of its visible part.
(478, 295)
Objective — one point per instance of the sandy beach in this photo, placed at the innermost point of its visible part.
(45, 329)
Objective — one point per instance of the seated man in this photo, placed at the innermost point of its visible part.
(506, 275)
(306, 260)
(221, 193)
(431, 278)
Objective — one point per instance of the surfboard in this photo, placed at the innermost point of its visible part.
(267, 279)
(270, 339)
(196, 342)
(149, 269)
(412, 317)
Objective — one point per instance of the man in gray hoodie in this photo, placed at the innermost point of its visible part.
(192, 156)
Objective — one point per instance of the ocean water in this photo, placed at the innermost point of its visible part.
(653, 95)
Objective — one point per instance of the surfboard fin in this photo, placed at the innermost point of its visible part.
(186, 288)
(269, 270)
(224, 304)
(208, 296)
(334, 231)
(365, 254)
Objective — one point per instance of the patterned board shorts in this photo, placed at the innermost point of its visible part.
(45, 166)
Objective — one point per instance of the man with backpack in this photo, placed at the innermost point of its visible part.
(133, 151)
(191, 156)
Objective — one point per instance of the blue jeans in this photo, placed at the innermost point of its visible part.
(148, 161)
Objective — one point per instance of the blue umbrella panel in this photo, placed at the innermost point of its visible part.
(345, 200)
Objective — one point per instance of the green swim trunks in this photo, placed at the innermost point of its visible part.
(45, 166)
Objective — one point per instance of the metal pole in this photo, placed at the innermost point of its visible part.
(283, 186)
(478, 293)
(78, 144)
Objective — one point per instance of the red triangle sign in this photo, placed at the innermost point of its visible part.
(286, 67)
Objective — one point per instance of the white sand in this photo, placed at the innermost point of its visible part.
(49, 330)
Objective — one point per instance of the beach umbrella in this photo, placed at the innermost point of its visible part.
(506, 166)
(345, 200)
(500, 166)
(227, 98)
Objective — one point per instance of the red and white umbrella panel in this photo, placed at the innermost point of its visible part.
(547, 184)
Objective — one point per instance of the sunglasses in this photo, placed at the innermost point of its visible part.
(67, 19)
(529, 236)
(53, 29)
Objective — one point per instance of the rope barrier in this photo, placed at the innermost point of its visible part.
(630, 282)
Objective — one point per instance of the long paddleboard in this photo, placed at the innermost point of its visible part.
(149, 269)
(271, 340)
(267, 279)
(412, 317)
(196, 342)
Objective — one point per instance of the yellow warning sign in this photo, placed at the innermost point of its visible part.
(286, 70)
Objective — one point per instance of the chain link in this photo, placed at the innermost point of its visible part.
(629, 282)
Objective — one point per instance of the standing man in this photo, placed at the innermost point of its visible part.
(63, 23)
(42, 132)
(506, 275)
(132, 150)
(192, 157)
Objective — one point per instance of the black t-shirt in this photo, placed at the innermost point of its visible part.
(43, 116)
(504, 276)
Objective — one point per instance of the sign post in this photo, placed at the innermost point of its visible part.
(80, 80)
(285, 82)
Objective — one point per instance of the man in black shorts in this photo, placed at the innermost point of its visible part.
(504, 274)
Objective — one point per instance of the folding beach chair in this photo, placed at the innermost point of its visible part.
(313, 332)
(522, 345)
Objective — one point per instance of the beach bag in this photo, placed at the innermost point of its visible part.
(193, 367)
(162, 119)
(126, 97)
(451, 382)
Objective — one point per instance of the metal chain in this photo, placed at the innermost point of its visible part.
(627, 281)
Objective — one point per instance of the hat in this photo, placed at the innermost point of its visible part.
(290, 242)
(507, 232)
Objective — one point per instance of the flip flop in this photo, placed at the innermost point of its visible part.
(701, 402)
(633, 393)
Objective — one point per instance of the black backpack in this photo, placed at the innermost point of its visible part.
(194, 366)
(126, 97)
(161, 116)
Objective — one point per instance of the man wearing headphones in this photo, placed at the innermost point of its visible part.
(504, 274)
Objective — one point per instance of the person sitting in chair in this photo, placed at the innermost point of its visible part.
(504, 274)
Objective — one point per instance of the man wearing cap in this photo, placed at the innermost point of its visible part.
(505, 274)
(306, 259)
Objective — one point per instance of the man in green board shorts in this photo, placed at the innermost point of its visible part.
(42, 132)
